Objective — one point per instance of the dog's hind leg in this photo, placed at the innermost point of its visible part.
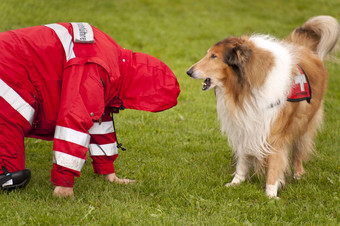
(241, 173)
(300, 150)
(276, 167)
(304, 146)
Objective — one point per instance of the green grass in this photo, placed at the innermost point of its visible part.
(178, 157)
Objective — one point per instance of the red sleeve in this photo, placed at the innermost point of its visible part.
(82, 101)
(103, 145)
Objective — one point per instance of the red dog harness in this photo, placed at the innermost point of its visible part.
(300, 89)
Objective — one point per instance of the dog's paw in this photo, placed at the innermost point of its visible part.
(236, 180)
(231, 184)
(271, 190)
(273, 197)
(298, 176)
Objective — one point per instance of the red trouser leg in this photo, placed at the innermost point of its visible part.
(13, 128)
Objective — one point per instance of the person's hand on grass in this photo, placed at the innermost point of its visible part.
(60, 191)
(114, 179)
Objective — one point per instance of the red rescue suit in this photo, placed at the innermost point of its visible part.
(61, 82)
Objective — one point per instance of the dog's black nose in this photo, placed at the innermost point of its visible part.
(190, 72)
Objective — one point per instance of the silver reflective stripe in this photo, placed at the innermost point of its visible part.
(15, 100)
(71, 135)
(68, 161)
(103, 128)
(104, 149)
(65, 39)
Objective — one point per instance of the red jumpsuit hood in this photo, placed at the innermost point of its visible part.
(147, 83)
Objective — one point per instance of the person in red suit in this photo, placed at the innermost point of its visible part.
(62, 82)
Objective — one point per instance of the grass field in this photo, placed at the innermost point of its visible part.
(178, 157)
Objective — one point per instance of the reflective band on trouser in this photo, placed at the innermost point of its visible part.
(65, 39)
(102, 128)
(68, 161)
(15, 100)
(103, 149)
(71, 135)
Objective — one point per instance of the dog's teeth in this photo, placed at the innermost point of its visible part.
(206, 84)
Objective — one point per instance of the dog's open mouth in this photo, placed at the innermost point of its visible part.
(206, 84)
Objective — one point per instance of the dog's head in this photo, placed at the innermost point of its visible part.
(224, 62)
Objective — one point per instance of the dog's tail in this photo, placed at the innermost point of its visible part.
(320, 34)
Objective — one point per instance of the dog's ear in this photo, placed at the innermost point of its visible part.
(238, 55)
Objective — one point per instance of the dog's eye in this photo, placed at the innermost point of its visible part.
(213, 56)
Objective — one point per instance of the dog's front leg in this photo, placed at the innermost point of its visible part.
(277, 166)
(241, 173)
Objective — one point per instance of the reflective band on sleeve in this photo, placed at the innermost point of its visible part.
(82, 33)
(68, 161)
(104, 149)
(15, 100)
(103, 128)
(71, 135)
(65, 39)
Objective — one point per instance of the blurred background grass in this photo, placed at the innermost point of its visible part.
(179, 158)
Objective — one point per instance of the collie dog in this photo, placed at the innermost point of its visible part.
(269, 96)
